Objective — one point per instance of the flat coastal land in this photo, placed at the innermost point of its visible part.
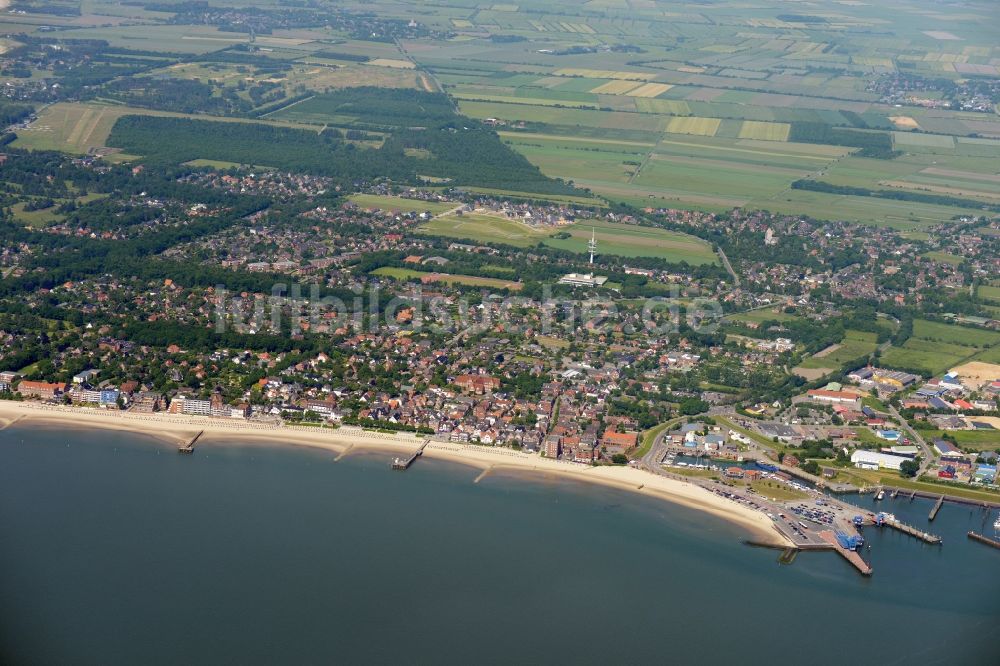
(343, 440)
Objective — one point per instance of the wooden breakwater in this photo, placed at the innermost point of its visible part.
(937, 507)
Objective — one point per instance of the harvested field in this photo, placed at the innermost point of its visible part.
(650, 90)
(694, 125)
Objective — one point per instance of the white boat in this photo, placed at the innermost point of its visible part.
(881, 495)
(996, 523)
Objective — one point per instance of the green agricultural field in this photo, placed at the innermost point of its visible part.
(954, 333)
(936, 347)
(634, 241)
(747, 80)
(700, 179)
(632, 81)
(932, 362)
(988, 292)
(753, 129)
(694, 125)
(991, 355)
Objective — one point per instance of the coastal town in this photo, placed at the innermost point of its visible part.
(402, 332)
(340, 312)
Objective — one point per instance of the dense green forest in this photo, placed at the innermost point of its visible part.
(901, 195)
(877, 145)
(449, 146)
(13, 113)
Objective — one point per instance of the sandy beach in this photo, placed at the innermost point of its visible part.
(175, 430)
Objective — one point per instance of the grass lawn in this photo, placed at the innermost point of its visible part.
(223, 165)
(777, 491)
(854, 345)
(969, 440)
(868, 438)
(468, 280)
(694, 473)
(944, 257)
(757, 437)
(874, 403)
(36, 218)
(76, 127)
(400, 204)
(483, 229)
(871, 478)
(649, 436)
(762, 315)
(627, 240)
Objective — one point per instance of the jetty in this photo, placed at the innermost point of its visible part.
(981, 538)
(937, 507)
(404, 463)
(849, 555)
(926, 537)
(188, 446)
(912, 495)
